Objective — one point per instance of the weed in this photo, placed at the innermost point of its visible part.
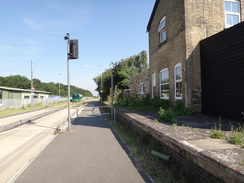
(174, 125)
(195, 129)
(217, 133)
(237, 135)
(155, 120)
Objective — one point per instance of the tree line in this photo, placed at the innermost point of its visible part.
(23, 82)
(122, 71)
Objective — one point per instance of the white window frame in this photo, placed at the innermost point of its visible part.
(163, 77)
(177, 80)
(142, 88)
(162, 30)
(231, 13)
(153, 84)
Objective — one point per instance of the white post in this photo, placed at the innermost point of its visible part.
(32, 104)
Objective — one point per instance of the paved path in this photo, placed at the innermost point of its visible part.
(89, 153)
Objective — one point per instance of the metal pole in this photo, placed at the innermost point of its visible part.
(112, 97)
(101, 89)
(69, 122)
(31, 86)
(112, 87)
(59, 87)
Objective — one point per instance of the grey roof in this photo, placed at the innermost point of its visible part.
(22, 90)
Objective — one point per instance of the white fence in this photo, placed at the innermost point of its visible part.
(22, 103)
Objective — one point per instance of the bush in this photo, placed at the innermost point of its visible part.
(156, 103)
(180, 109)
(137, 102)
(166, 115)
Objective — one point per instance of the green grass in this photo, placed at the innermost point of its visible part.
(237, 135)
(217, 133)
(27, 109)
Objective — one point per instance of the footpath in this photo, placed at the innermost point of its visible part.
(89, 153)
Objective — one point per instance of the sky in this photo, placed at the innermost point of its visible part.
(34, 30)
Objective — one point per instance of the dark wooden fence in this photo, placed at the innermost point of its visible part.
(222, 72)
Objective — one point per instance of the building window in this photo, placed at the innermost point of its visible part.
(153, 85)
(162, 29)
(164, 84)
(142, 88)
(178, 81)
(232, 12)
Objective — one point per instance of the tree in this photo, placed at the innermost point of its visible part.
(122, 71)
(16, 81)
(22, 82)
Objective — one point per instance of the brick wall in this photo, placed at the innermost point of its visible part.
(136, 80)
(187, 23)
(172, 51)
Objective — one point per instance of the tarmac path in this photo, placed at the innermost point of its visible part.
(89, 153)
(19, 146)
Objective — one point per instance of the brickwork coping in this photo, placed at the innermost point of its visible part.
(215, 156)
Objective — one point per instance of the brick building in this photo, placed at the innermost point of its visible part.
(139, 84)
(175, 29)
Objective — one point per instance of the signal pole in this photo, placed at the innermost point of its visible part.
(68, 81)
(72, 53)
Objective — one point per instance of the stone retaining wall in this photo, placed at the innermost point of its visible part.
(203, 165)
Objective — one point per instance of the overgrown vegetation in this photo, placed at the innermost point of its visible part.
(140, 146)
(165, 108)
(166, 115)
(217, 133)
(236, 135)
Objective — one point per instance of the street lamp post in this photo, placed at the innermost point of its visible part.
(101, 89)
(59, 87)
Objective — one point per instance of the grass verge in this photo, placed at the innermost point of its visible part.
(10, 111)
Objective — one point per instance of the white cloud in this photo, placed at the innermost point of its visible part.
(32, 23)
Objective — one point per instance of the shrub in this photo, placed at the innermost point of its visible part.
(180, 109)
(166, 115)
(156, 103)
